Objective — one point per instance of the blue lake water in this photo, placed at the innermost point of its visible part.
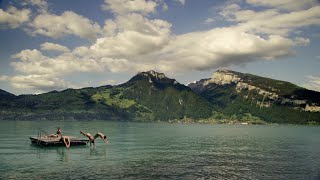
(162, 151)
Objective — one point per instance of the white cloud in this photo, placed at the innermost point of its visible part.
(29, 55)
(183, 2)
(41, 83)
(209, 21)
(313, 83)
(13, 18)
(34, 62)
(42, 73)
(4, 78)
(272, 21)
(130, 6)
(68, 23)
(110, 28)
(133, 35)
(220, 47)
(47, 46)
(41, 4)
(132, 41)
(285, 4)
(299, 41)
(228, 11)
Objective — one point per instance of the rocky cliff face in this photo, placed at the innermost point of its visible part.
(263, 92)
(223, 77)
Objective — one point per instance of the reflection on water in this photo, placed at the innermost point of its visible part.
(63, 154)
(152, 151)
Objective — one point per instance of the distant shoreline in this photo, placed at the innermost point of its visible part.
(232, 122)
(175, 121)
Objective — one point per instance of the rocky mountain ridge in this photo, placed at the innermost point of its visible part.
(270, 95)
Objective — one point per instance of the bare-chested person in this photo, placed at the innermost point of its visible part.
(93, 138)
(58, 134)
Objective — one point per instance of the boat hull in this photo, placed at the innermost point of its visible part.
(57, 141)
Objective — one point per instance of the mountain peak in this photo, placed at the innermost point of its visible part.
(153, 74)
(224, 70)
(224, 76)
(155, 79)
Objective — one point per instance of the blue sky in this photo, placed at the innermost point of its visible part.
(54, 45)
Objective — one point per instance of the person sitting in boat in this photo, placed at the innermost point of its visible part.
(58, 134)
(93, 138)
(58, 131)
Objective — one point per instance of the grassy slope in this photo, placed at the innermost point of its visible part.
(168, 102)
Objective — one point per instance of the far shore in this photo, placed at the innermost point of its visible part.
(177, 121)
(231, 122)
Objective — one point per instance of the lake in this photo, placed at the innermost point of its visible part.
(162, 151)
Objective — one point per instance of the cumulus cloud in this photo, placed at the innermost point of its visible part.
(313, 83)
(130, 6)
(271, 21)
(42, 73)
(220, 47)
(13, 18)
(42, 83)
(34, 62)
(37, 83)
(29, 55)
(132, 35)
(68, 23)
(132, 41)
(47, 46)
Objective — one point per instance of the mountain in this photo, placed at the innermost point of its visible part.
(148, 96)
(240, 95)
(227, 96)
(4, 95)
(165, 97)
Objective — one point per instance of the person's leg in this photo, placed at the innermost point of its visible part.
(82, 133)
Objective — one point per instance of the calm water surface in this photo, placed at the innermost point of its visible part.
(162, 151)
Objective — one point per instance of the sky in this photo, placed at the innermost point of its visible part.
(55, 45)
